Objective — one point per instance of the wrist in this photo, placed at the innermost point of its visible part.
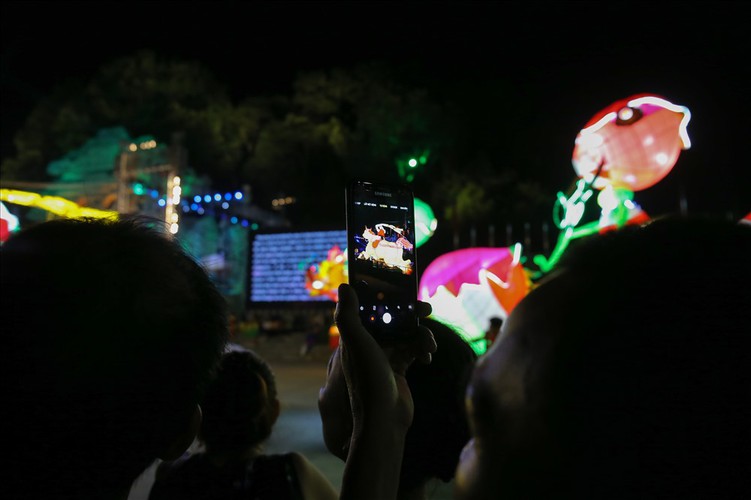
(374, 463)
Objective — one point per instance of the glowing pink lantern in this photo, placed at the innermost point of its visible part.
(507, 281)
(453, 269)
(637, 141)
(467, 287)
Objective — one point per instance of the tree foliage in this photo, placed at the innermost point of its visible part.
(144, 94)
(336, 124)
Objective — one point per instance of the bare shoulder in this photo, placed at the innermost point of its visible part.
(314, 484)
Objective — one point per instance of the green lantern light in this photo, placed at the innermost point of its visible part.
(425, 222)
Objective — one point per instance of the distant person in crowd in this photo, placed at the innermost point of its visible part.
(439, 430)
(494, 329)
(624, 374)
(232, 326)
(111, 332)
(314, 331)
(240, 409)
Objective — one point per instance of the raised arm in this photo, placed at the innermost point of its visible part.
(366, 406)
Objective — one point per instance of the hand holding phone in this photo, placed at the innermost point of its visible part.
(368, 365)
(381, 254)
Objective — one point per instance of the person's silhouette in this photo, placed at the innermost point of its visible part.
(111, 331)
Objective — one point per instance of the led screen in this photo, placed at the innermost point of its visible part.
(278, 264)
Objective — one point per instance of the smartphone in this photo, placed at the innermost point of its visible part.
(381, 257)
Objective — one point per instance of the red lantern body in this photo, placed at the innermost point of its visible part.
(636, 141)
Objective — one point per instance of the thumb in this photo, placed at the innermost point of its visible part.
(361, 355)
(346, 316)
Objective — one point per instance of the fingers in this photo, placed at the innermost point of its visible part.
(356, 342)
(335, 410)
(346, 315)
(374, 375)
(400, 357)
(424, 345)
(423, 309)
(351, 331)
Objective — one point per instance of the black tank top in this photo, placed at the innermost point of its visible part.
(267, 477)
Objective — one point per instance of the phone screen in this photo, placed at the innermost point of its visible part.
(381, 256)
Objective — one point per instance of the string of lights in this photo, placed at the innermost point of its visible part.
(198, 204)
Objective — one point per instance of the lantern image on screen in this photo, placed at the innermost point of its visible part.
(632, 144)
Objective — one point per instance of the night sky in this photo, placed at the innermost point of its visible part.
(562, 61)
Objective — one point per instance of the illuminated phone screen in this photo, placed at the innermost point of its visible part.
(381, 260)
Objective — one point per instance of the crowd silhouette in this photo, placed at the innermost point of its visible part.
(623, 374)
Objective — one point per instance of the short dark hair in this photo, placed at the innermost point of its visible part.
(439, 428)
(646, 391)
(111, 333)
(237, 412)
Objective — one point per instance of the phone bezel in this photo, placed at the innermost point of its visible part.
(397, 332)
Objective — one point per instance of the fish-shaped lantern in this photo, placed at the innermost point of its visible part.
(633, 143)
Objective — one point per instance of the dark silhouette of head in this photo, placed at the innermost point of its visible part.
(624, 374)
(439, 429)
(240, 406)
(111, 334)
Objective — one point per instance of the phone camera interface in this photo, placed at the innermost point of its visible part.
(382, 262)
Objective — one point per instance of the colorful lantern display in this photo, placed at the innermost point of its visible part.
(628, 146)
(467, 287)
(54, 204)
(425, 222)
(8, 223)
(323, 278)
(633, 143)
